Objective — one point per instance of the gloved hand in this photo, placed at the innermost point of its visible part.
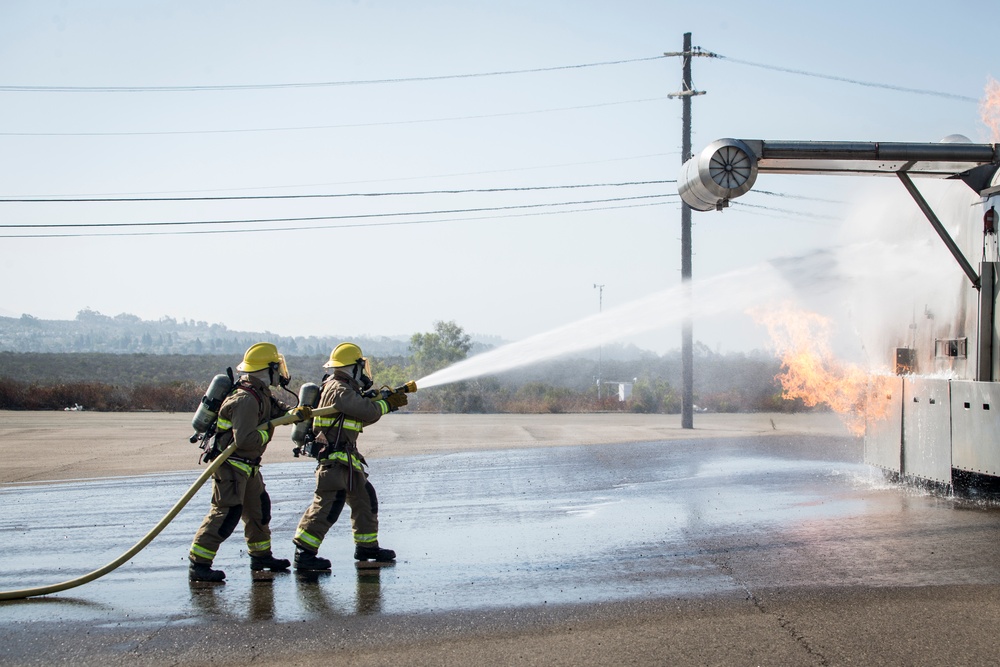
(302, 413)
(396, 401)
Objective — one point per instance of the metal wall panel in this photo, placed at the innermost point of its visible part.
(927, 429)
(975, 415)
(884, 423)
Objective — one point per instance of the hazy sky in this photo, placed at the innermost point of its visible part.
(389, 127)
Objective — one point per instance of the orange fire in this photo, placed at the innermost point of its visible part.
(809, 369)
(989, 108)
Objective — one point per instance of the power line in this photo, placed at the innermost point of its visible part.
(322, 227)
(357, 82)
(330, 127)
(180, 223)
(870, 84)
(786, 195)
(802, 214)
(78, 200)
(316, 84)
(397, 179)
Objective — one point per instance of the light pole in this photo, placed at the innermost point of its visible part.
(600, 308)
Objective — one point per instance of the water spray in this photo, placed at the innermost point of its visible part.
(733, 291)
(813, 275)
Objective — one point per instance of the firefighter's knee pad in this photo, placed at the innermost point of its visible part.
(337, 507)
(265, 508)
(372, 497)
(230, 522)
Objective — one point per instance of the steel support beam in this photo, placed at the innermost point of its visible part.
(956, 252)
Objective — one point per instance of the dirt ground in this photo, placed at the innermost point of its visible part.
(47, 446)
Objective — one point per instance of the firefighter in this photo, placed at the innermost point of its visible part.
(340, 474)
(238, 487)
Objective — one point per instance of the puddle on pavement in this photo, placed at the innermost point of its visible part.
(494, 529)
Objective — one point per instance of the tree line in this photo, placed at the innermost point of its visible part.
(125, 333)
(175, 383)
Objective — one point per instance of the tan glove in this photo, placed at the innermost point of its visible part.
(396, 401)
(302, 413)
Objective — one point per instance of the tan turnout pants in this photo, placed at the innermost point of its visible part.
(331, 495)
(235, 495)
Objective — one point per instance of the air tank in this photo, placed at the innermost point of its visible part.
(208, 411)
(308, 395)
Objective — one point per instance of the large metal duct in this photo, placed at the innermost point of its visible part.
(728, 168)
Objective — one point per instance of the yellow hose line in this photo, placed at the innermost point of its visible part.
(141, 544)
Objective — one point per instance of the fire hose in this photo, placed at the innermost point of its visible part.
(141, 544)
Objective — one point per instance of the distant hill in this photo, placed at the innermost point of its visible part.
(92, 331)
(50, 368)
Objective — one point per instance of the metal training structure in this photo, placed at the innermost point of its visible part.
(938, 418)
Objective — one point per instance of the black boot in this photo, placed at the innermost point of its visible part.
(308, 560)
(204, 572)
(271, 563)
(374, 553)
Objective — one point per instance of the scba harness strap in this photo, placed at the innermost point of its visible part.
(224, 427)
(326, 445)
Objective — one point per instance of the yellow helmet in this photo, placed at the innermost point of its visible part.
(345, 354)
(260, 356)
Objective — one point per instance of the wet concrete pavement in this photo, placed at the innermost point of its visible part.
(718, 541)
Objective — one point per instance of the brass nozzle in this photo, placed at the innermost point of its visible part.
(408, 388)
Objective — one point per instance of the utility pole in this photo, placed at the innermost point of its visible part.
(687, 339)
(600, 348)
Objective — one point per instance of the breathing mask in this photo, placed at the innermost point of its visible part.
(362, 374)
(284, 377)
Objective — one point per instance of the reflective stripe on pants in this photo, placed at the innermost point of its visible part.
(331, 481)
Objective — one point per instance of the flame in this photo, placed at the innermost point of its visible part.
(989, 108)
(810, 370)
